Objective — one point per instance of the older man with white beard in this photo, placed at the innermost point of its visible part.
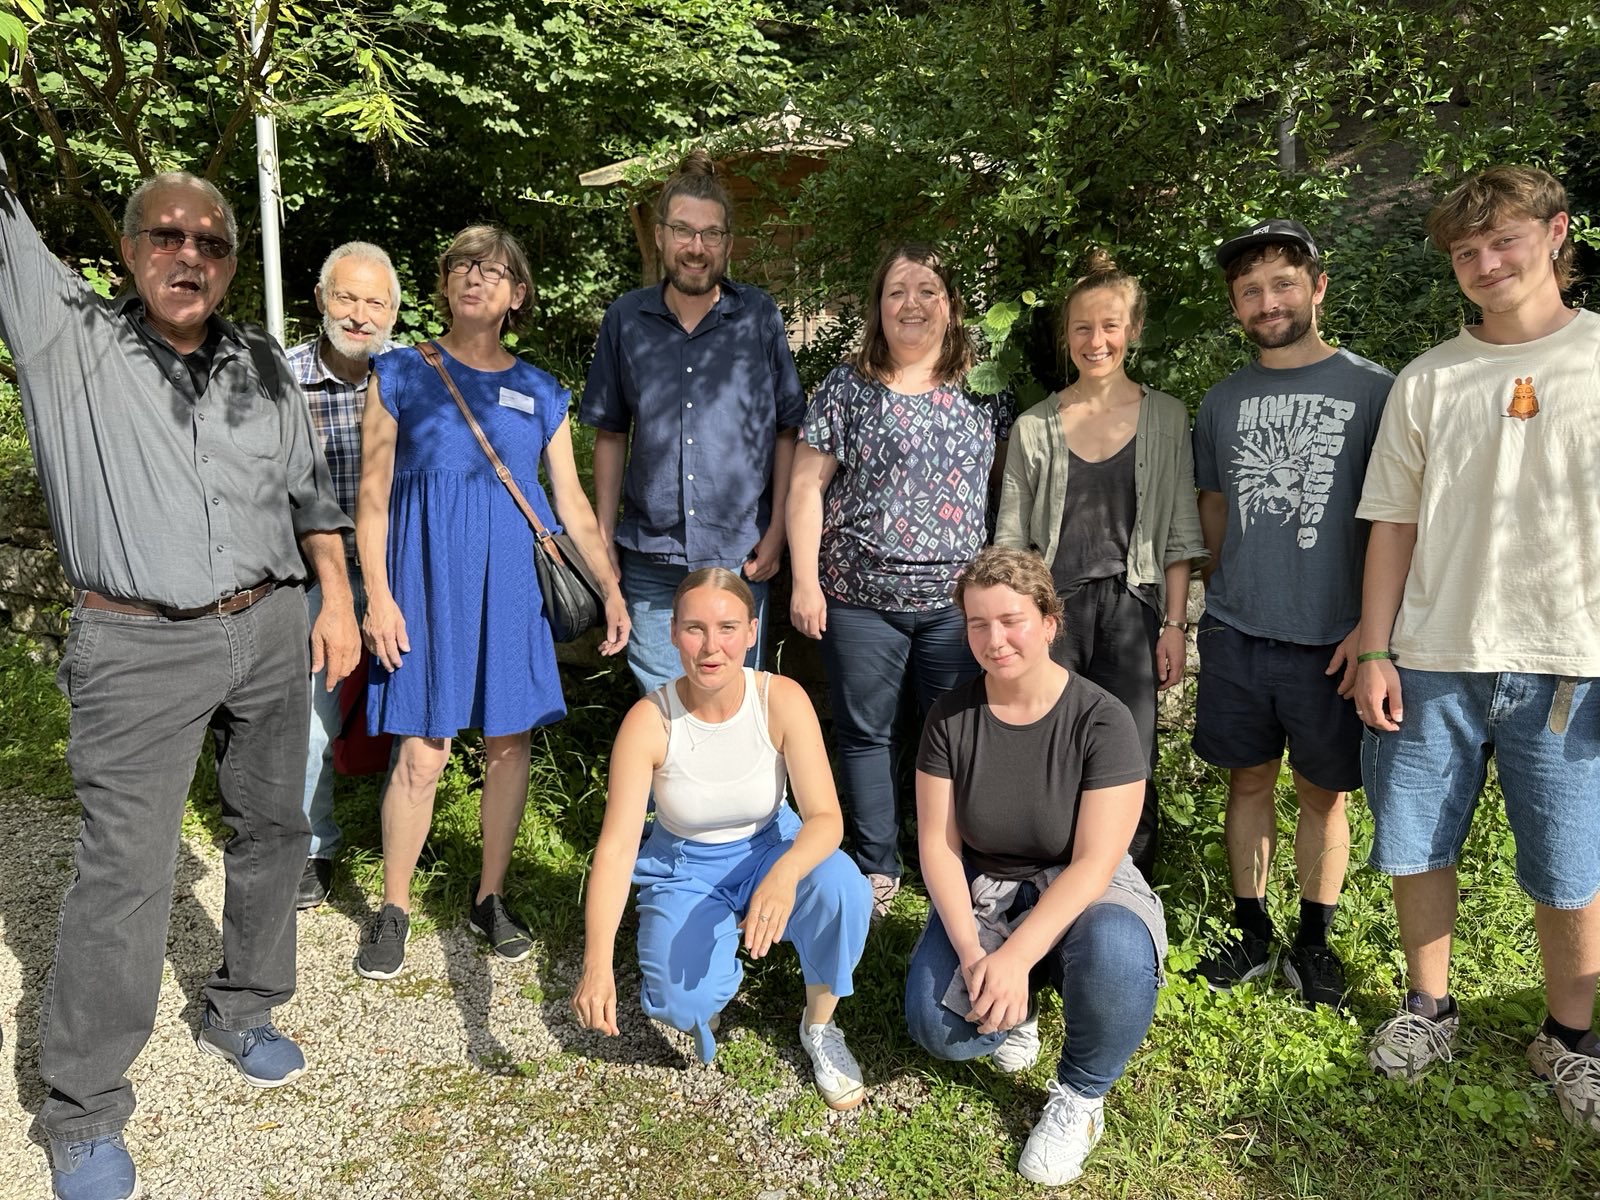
(358, 295)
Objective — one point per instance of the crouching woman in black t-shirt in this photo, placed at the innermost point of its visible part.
(1029, 784)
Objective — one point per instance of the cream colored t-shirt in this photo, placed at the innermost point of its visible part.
(1494, 453)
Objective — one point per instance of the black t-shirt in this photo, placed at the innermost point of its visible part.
(1016, 787)
(1097, 519)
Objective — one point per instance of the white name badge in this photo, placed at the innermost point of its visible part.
(518, 401)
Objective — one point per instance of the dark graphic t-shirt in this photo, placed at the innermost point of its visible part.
(1288, 450)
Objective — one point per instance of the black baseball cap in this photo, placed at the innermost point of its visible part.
(1267, 233)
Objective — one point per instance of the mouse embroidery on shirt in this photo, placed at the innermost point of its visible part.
(1524, 404)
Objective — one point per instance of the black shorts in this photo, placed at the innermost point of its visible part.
(1256, 694)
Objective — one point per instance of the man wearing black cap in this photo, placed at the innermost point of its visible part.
(1281, 450)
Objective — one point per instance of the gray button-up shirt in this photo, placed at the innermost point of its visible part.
(156, 493)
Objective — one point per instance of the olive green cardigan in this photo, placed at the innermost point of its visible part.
(1166, 524)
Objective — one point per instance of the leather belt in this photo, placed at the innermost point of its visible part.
(222, 607)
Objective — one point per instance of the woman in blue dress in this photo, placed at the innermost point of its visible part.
(455, 618)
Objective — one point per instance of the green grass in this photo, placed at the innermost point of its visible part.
(1239, 1096)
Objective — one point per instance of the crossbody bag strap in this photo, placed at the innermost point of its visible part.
(430, 354)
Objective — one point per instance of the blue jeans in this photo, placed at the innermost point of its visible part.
(692, 896)
(867, 655)
(1423, 781)
(325, 833)
(648, 587)
(1104, 968)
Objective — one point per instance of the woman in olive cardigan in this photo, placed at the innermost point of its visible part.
(1100, 481)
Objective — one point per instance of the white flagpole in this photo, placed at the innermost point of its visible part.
(271, 195)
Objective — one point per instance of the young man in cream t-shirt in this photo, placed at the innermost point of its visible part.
(1480, 623)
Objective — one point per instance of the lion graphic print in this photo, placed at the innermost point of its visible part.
(1287, 450)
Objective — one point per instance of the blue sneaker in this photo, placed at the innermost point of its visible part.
(263, 1055)
(94, 1169)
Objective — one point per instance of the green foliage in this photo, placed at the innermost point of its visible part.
(1021, 133)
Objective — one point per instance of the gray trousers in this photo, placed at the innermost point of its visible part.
(143, 692)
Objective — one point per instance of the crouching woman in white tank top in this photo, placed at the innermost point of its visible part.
(728, 863)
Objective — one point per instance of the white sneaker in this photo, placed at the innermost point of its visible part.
(1405, 1046)
(1066, 1131)
(1575, 1074)
(1020, 1050)
(835, 1069)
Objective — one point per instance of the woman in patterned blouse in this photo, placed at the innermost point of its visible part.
(886, 507)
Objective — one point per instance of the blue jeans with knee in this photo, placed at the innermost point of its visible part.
(1104, 967)
(692, 896)
(868, 655)
(648, 587)
(325, 833)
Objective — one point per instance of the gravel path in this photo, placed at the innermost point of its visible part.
(464, 1077)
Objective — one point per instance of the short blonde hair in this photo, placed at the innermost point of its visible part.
(1486, 199)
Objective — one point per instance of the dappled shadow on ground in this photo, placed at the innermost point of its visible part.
(41, 837)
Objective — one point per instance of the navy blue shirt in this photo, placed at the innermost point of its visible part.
(704, 410)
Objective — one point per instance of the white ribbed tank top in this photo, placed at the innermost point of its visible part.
(723, 781)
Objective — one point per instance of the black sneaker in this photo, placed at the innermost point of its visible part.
(505, 934)
(1243, 957)
(1317, 974)
(314, 883)
(383, 944)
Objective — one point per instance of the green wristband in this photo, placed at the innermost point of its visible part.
(1375, 656)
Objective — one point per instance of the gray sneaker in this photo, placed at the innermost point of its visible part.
(1575, 1075)
(1406, 1045)
(383, 944)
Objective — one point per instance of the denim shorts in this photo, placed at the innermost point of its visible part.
(1423, 781)
(1258, 694)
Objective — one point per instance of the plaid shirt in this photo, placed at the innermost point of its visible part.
(336, 408)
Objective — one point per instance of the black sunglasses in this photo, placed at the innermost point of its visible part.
(169, 240)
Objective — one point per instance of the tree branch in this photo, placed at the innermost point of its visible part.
(70, 167)
(252, 78)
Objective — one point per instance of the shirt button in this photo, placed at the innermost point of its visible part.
(177, 377)
(205, 458)
(219, 548)
(216, 500)
(690, 404)
(691, 477)
(690, 441)
(200, 416)
(688, 370)
(691, 512)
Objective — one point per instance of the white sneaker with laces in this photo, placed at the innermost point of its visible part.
(1020, 1050)
(1406, 1045)
(834, 1068)
(1066, 1131)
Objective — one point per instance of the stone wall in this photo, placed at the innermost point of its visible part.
(34, 596)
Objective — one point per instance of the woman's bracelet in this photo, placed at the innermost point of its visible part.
(1375, 656)
(1169, 623)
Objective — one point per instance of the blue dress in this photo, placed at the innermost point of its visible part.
(461, 553)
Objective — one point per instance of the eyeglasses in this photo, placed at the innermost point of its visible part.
(492, 272)
(169, 240)
(346, 302)
(711, 238)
